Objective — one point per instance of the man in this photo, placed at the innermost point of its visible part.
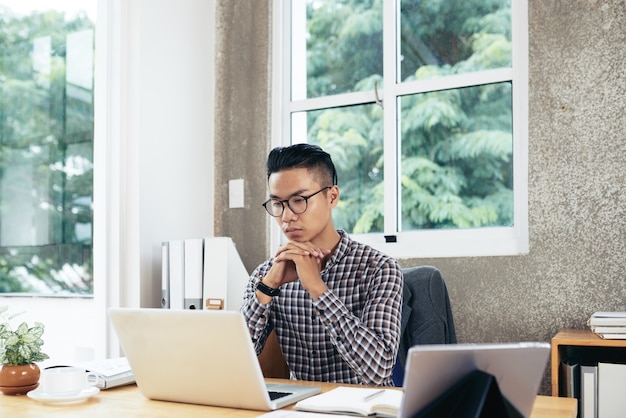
(335, 303)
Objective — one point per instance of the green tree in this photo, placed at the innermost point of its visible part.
(456, 145)
(45, 133)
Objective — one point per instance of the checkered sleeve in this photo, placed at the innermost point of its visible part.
(255, 313)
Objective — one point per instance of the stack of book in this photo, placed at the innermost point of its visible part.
(608, 325)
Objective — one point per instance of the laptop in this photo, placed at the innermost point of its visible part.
(434, 371)
(201, 357)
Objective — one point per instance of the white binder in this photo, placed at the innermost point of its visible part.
(193, 273)
(165, 275)
(589, 391)
(225, 277)
(177, 274)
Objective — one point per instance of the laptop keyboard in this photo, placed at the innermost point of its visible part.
(277, 395)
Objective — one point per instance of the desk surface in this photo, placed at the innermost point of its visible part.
(127, 401)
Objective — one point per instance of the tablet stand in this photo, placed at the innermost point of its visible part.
(477, 395)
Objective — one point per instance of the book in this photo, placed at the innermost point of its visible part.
(609, 329)
(607, 318)
(588, 392)
(108, 373)
(605, 336)
(354, 400)
(611, 393)
(610, 332)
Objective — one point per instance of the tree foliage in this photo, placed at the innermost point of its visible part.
(46, 155)
(456, 145)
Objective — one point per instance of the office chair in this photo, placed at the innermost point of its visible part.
(426, 314)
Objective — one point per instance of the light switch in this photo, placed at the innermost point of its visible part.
(235, 193)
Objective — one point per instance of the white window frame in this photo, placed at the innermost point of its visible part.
(486, 241)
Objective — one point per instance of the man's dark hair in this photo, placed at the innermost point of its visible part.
(306, 156)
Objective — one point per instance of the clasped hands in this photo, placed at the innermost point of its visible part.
(298, 260)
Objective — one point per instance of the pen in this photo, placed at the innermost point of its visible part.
(373, 395)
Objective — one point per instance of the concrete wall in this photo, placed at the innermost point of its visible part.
(242, 124)
(577, 171)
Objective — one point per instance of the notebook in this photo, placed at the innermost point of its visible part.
(432, 371)
(198, 356)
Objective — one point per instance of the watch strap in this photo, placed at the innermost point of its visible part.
(265, 289)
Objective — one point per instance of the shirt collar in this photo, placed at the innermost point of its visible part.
(342, 250)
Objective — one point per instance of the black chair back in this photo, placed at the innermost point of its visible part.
(426, 314)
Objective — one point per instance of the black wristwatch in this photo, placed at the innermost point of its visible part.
(263, 288)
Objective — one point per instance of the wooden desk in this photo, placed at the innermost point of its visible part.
(127, 401)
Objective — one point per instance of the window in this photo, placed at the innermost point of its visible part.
(423, 106)
(46, 148)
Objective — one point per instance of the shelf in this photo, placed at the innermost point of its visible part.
(573, 339)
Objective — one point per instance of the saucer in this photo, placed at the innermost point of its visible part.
(39, 395)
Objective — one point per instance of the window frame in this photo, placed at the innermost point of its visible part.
(485, 241)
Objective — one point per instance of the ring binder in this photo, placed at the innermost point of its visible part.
(477, 395)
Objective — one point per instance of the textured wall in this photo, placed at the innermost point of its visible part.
(242, 123)
(577, 174)
(577, 179)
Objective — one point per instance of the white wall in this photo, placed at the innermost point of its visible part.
(153, 159)
(173, 118)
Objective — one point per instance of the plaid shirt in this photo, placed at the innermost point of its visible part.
(351, 333)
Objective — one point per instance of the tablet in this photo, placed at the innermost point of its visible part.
(433, 372)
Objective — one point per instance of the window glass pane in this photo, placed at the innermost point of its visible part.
(336, 46)
(447, 144)
(353, 136)
(452, 37)
(46, 147)
(457, 150)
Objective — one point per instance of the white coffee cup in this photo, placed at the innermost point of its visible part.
(63, 381)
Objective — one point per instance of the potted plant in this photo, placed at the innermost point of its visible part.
(20, 349)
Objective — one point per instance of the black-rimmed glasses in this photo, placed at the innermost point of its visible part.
(297, 204)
